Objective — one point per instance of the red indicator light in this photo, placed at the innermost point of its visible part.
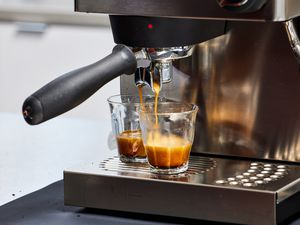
(150, 26)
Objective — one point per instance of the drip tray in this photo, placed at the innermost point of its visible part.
(224, 190)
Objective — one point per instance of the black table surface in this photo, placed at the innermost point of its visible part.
(46, 207)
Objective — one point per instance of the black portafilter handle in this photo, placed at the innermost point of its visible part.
(73, 88)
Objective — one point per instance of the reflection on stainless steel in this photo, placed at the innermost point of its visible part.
(293, 37)
(224, 3)
(232, 88)
(252, 87)
(248, 91)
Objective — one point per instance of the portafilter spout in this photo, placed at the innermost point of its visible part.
(155, 64)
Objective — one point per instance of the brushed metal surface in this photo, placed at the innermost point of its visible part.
(202, 171)
(274, 10)
(131, 187)
(247, 85)
(197, 165)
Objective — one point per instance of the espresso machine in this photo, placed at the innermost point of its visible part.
(239, 61)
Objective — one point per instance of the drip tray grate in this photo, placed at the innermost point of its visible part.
(197, 165)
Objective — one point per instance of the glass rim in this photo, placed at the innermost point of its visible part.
(193, 108)
(110, 99)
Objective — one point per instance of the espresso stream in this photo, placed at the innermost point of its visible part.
(164, 151)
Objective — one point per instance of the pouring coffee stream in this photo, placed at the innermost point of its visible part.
(164, 149)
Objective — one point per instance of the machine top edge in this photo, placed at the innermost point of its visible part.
(273, 10)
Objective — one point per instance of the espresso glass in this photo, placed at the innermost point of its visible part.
(126, 126)
(168, 135)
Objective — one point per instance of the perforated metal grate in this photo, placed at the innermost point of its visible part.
(197, 165)
(257, 174)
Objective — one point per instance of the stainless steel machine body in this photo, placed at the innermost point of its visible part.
(247, 85)
(273, 10)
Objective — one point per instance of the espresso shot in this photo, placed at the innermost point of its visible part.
(168, 134)
(125, 120)
(168, 152)
(130, 145)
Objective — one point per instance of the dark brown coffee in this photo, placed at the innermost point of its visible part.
(167, 151)
(130, 144)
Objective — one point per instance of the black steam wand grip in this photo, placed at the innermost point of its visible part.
(73, 88)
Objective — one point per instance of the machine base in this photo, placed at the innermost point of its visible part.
(213, 189)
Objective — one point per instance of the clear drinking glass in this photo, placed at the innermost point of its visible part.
(126, 126)
(168, 135)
